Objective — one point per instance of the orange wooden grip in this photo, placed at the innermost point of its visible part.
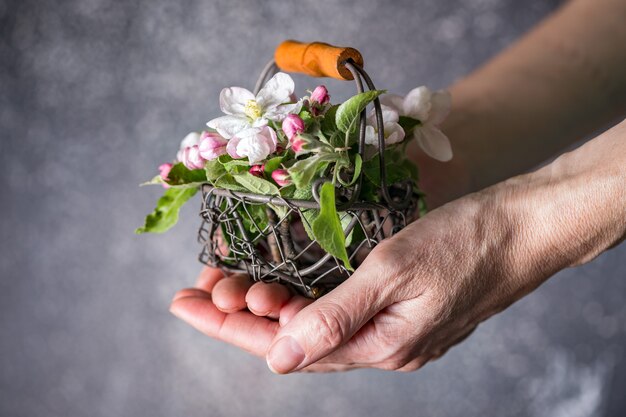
(316, 59)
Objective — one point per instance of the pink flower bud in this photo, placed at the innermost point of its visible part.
(257, 170)
(297, 144)
(192, 158)
(164, 170)
(212, 145)
(293, 125)
(320, 95)
(281, 177)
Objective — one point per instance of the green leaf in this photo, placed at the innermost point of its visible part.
(348, 112)
(214, 169)
(165, 215)
(181, 176)
(327, 227)
(306, 117)
(308, 217)
(412, 170)
(304, 170)
(256, 184)
(303, 193)
(288, 190)
(346, 218)
(156, 180)
(358, 162)
(254, 218)
(396, 165)
(273, 164)
(328, 125)
(227, 181)
(236, 166)
(408, 123)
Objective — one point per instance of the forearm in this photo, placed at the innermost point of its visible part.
(562, 81)
(568, 212)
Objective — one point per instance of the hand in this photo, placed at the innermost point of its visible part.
(467, 260)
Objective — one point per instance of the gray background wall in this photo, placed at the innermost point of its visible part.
(96, 93)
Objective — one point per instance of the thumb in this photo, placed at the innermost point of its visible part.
(323, 326)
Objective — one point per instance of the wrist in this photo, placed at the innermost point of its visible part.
(572, 210)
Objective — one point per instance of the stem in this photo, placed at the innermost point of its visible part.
(271, 238)
(285, 237)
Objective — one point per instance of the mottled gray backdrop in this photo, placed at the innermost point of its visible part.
(96, 93)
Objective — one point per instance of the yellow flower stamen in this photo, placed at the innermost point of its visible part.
(252, 110)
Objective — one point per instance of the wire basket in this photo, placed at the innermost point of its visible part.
(279, 249)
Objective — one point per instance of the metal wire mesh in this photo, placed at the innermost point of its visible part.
(237, 239)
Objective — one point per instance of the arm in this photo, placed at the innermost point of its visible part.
(559, 83)
(469, 259)
(474, 256)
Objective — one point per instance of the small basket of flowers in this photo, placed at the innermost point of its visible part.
(299, 190)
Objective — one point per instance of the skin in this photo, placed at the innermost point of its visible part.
(485, 246)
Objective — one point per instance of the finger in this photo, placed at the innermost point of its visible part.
(267, 299)
(321, 327)
(415, 364)
(208, 278)
(292, 307)
(380, 344)
(243, 329)
(328, 368)
(229, 294)
(190, 292)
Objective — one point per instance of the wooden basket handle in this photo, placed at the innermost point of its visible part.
(316, 59)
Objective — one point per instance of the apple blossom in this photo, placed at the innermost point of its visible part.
(281, 177)
(430, 108)
(319, 100)
(254, 143)
(192, 158)
(297, 143)
(244, 110)
(320, 95)
(393, 132)
(192, 138)
(164, 170)
(212, 145)
(292, 125)
(257, 170)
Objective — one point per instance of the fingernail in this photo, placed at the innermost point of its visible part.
(285, 355)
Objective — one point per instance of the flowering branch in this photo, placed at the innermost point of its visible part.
(273, 143)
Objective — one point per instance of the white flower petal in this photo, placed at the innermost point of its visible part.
(231, 148)
(279, 113)
(417, 103)
(389, 115)
(276, 91)
(371, 137)
(441, 103)
(394, 101)
(269, 133)
(229, 126)
(233, 100)
(192, 138)
(254, 143)
(393, 133)
(260, 122)
(254, 148)
(434, 143)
